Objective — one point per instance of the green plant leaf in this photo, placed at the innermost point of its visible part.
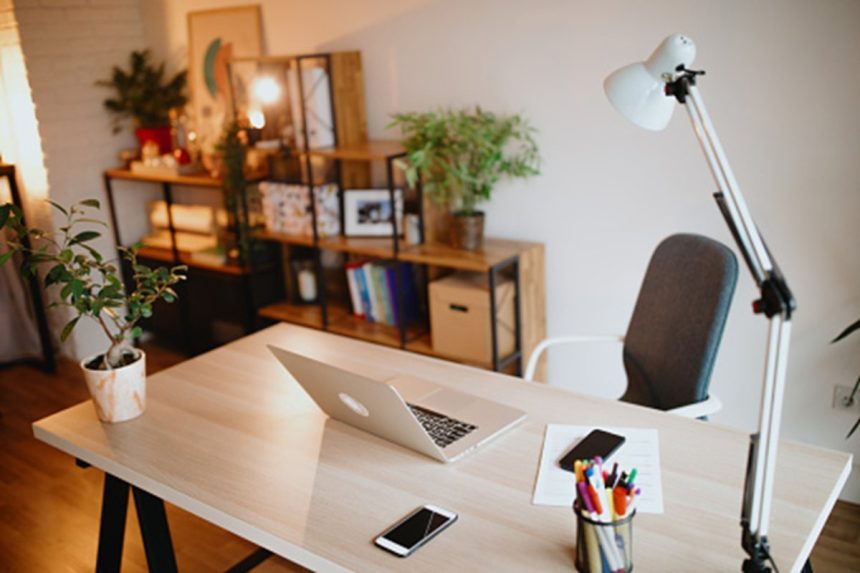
(67, 330)
(846, 332)
(84, 236)
(5, 209)
(6, 256)
(58, 207)
(136, 332)
(91, 203)
(55, 274)
(853, 428)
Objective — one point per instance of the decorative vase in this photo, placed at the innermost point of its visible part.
(118, 394)
(467, 230)
(160, 135)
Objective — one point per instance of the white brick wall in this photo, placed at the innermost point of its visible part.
(68, 45)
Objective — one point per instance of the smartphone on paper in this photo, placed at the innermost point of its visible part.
(416, 529)
(596, 443)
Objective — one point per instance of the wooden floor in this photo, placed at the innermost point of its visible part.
(49, 508)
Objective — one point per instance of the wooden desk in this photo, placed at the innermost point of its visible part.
(231, 438)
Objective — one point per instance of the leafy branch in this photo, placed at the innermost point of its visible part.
(461, 155)
(143, 93)
(89, 284)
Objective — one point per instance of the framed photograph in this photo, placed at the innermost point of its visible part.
(367, 212)
(214, 38)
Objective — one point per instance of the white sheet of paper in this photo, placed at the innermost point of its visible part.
(641, 450)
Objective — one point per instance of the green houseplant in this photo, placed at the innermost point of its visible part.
(143, 94)
(460, 156)
(853, 395)
(90, 286)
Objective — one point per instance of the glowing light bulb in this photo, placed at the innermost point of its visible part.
(266, 90)
(257, 119)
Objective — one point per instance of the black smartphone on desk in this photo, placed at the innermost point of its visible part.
(596, 443)
(416, 529)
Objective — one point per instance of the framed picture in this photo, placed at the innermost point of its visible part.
(214, 38)
(367, 212)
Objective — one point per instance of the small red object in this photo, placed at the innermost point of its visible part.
(181, 156)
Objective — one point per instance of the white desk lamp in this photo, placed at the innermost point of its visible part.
(645, 93)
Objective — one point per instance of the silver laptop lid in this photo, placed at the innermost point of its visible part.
(367, 404)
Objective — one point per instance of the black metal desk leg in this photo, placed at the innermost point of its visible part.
(155, 532)
(112, 528)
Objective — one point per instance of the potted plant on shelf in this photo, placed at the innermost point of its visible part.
(143, 94)
(90, 286)
(460, 156)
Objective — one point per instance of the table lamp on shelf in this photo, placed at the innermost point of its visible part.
(646, 93)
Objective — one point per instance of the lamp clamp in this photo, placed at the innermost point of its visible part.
(679, 88)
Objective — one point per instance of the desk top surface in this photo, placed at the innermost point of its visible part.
(230, 437)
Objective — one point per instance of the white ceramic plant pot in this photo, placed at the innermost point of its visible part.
(118, 394)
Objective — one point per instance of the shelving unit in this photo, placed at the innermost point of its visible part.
(207, 301)
(352, 155)
(524, 261)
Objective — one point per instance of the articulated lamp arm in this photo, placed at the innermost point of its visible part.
(643, 93)
(776, 302)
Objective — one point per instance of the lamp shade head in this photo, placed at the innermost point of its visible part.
(637, 91)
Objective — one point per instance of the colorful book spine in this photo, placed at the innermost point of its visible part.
(364, 292)
(375, 313)
(377, 272)
(408, 296)
(354, 290)
(391, 289)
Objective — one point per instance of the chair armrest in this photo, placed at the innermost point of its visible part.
(704, 408)
(547, 342)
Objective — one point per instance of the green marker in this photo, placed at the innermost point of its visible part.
(632, 477)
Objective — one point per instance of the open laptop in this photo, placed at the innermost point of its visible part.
(420, 415)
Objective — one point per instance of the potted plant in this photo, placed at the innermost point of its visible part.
(461, 155)
(851, 397)
(89, 285)
(143, 94)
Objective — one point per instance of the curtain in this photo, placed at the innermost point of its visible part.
(20, 145)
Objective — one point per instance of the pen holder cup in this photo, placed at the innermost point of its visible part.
(603, 546)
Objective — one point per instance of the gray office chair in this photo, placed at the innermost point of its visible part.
(672, 340)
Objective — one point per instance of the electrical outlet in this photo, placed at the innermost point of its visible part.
(842, 399)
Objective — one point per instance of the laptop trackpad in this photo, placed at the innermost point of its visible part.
(449, 402)
(413, 389)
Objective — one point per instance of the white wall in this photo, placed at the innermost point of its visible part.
(68, 45)
(782, 87)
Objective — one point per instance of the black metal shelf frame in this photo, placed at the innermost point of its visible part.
(49, 362)
(183, 301)
(390, 160)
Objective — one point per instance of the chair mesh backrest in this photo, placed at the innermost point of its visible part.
(675, 331)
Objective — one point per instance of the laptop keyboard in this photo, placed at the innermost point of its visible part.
(444, 430)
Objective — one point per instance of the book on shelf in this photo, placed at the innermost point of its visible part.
(354, 289)
(372, 310)
(373, 287)
(382, 293)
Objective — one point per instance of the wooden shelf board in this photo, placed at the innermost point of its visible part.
(493, 252)
(166, 256)
(372, 150)
(341, 321)
(381, 247)
(351, 325)
(424, 345)
(201, 180)
(304, 240)
(305, 315)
